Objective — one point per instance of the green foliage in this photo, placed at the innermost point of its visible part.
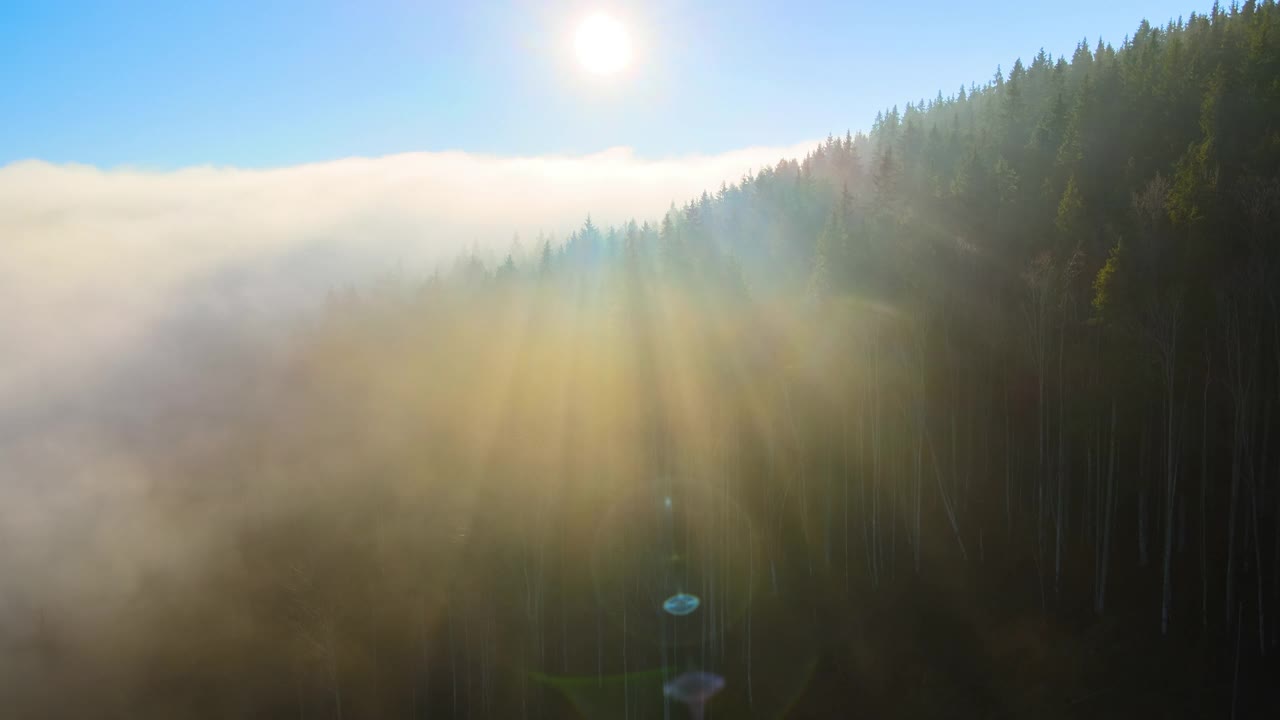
(957, 196)
(1070, 210)
(1103, 282)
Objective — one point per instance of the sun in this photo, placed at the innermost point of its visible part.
(602, 45)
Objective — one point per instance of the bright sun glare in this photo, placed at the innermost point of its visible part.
(602, 45)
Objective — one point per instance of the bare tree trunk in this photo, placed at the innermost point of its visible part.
(919, 475)
(874, 505)
(1008, 466)
(314, 624)
(1257, 569)
(1235, 681)
(844, 447)
(955, 472)
(1231, 513)
(1182, 524)
(1142, 495)
(894, 491)
(1256, 480)
(1240, 391)
(942, 492)
(1041, 288)
(948, 502)
(1169, 351)
(1060, 512)
(1204, 492)
(1108, 506)
(1040, 481)
(1275, 563)
(1088, 499)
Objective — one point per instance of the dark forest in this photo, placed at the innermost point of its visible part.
(976, 414)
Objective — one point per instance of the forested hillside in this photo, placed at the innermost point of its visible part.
(1083, 259)
(976, 414)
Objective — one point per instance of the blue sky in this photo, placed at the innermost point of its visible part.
(163, 85)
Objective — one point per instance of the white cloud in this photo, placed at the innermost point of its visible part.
(91, 260)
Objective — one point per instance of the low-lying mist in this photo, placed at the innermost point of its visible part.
(179, 421)
(95, 263)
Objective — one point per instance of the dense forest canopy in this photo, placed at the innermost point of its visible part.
(975, 413)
